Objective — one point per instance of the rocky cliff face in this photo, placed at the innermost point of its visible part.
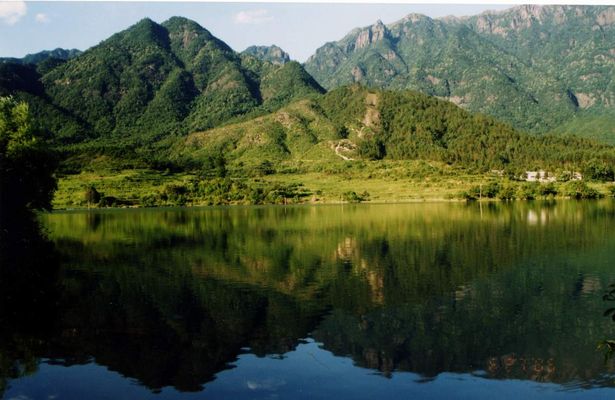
(370, 35)
(516, 19)
(535, 67)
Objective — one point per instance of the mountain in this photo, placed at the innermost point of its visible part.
(36, 58)
(353, 122)
(149, 83)
(536, 67)
(272, 54)
(172, 95)
(44, 60)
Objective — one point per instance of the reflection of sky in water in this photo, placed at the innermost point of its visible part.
(309, 372)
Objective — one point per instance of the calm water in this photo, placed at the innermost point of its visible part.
(367, 301)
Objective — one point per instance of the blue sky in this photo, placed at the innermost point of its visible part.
(298, 28)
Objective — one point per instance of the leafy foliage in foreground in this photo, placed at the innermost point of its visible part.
(26, 167)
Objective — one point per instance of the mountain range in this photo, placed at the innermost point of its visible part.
(173, 90)
(539, 68)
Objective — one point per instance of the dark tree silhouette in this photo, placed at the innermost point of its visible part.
(26, 166)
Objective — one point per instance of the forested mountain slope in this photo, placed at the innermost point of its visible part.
(536, 67)
(150, 83)
(353, 122)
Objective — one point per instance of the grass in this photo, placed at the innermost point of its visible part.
(384, 181)
(316, 182)
(128, 185)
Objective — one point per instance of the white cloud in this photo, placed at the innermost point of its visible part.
(12, 11)
(252, 17)
(42, 18)
(20, 397)
(271, 384)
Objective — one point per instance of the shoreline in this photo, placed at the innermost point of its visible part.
(399, 182)
(317, 204)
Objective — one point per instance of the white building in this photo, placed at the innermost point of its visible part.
(538, 176)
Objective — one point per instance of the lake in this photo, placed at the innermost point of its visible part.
(443, 300)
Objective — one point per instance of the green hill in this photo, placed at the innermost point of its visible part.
(139, 90)
(534, 67)
(354, 122)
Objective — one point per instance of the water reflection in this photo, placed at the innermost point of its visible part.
(29, 285)
(173, 297)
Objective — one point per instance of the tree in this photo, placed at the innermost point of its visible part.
(26, 166)
(214, 167)
(598, 170)
(266, 167)
(92, 196)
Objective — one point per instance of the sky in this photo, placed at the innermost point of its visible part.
(298, 28)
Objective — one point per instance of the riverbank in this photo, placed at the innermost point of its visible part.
(382, 182)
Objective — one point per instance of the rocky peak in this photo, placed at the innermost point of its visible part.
(272, 54)
(606, 17)
(528, 11)
(371, 34)
(502, 22)
(183, 23)
(414, 18)
(185, 30)
(525, 16)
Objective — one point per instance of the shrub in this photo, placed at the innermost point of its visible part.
(175, 194)
(265, 168)
(256, 196)
(353, 197)
(372, 149)
(341, 132)
(598, 170)
(214, 167)
(580, 190)
(149, 200)
(527, 191)
(506, 192)
(109, 201)
(491, 190)
(548, 190)
(467, 196)
(92, 196)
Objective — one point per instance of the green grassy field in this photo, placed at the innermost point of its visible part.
(127, 185)
(297, 182)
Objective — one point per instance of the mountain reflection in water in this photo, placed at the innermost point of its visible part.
(171, 298)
